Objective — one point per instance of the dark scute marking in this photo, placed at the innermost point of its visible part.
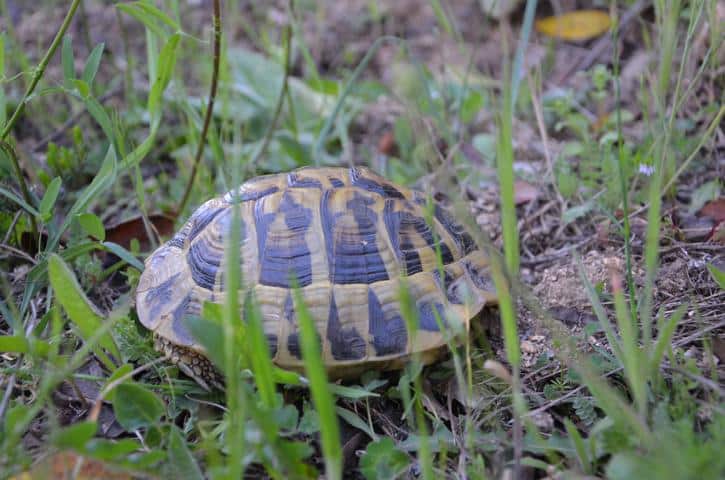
(289, 310)
(262, 221)
(177, 240)
(291, 256)
(427, 318)
(252, 194)
(389, 337)
(293, 339)
(158, 296)
(345, 343)
(336, 182)
(293, 345)
(424, 230)
(384, 189)
(420, 198)
(204, 263)
(480, 277)
(451, 289)
(272, 344)
(222, 226)
(400, 241)
(177, 324)
(201, 219)
(462, 238)
(295, 181)
(353, 256)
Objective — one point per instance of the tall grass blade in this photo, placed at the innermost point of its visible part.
(258, 352)
(411, 319)
(233, 330)
(321, 396)
(330, 121)
(664, 339)
(631, 354)
(517, 74)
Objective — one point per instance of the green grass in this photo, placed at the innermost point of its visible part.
(194, 98)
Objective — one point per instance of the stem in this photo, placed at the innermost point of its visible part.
(40, 69)
(210, 105)
(327, 127)
(280, 100)
(37, 75)
(10, 152)
(622, 173)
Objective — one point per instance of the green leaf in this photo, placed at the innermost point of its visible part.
(124, 255)
(210, 335)
(15, 419)
(103, 179)
(717, 275)
(383, 460)
(66, 56)
(17, 200)
(357, 422)
(578, 441)
(102, 449)
(92, 225)
(79, 309)
(354, 393)
(167, 62)
(49, 198)
(573, 213)
(136, 407)
(75, 436)
(100, 115)
(92, 63)
(285, 377)
(152, 12)
(124, 369)
(137, 13)
(181, 462)
(13, 344)
(2, 58)
(310, 421)
(703, 194)
(83, 88)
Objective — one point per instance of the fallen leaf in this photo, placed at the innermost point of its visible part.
(575, 26)
(387, 144)
(714, 209)
(122, 233)
(63, 465)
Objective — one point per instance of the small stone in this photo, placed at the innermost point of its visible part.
(543, 420)
(527, 347)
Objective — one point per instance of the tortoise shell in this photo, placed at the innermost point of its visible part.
(347, 236)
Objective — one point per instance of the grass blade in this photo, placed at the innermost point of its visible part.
(258, 353)
(91, 67)
(321, 396)
(79, 309)
(67, 60)
(663, 342)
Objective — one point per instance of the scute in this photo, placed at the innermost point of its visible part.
(346, 236)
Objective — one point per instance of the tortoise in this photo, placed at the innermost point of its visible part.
(346, 235)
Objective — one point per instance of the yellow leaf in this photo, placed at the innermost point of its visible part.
(579, 25)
